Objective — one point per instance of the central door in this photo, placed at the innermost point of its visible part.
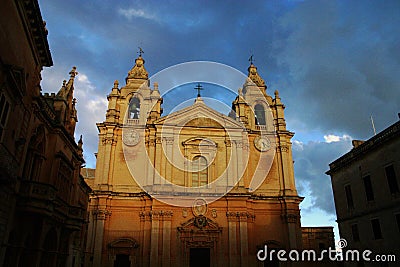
(122, 260)
(199, 257)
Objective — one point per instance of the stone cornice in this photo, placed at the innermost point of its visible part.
(240, 216)
(291, 218)
(373, 143)
(155, 215)
(377, 209)
(101, 214)
(35, 30)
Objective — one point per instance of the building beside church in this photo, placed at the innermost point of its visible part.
(44, 199)
(365, 184)
(140, 212)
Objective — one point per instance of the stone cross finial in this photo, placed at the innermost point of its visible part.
(198, 88)
(251, 59)
(73, 72)
(140, 51)
(253, 75)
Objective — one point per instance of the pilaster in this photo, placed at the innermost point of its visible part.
(232, 239)
(100, 216)
(166, 250)
(293, 223)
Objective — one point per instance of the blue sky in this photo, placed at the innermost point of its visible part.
(335, 63)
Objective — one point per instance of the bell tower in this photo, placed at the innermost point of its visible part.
(128, 106)
(256, 110)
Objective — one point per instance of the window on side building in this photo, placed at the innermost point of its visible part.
(391, 179)
(376, 229)
(369, 192)
(349, 197)
(355, 233)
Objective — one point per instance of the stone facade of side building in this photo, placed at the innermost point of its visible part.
(43, 197)
(318, 238)
(366, 189)
(129, 227)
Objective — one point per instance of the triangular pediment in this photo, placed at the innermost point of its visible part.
(199, 115)
(200, 141)
(124, 243)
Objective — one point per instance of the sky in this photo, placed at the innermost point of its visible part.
(335, 64)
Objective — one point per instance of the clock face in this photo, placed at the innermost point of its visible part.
(130, 137)
(262, 143)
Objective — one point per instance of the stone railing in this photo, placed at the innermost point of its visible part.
(261, 127)
(376, 141)
(32, 189)
(37, 197)
(77, 213)
(132, 121)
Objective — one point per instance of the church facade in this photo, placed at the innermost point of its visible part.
(156, 198)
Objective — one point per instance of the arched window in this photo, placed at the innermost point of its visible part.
(35, 155)
(134, 108)
(13, 251)
(199, 171)
(259, 114)
(49, 254)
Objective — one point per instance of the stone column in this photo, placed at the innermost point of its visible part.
(111, 164)
(166, 250)
(150, 180)
(100, 217)
(228, 157)
(292, 220)
(145, 217)
(90, 237)
(232, 239)
(107, 143)
(157, 163)
(169, 157)
(287, 169)
(155, 231)
(234, 162)
(72, 251)
(244, 161)
(252, 259)
(239, 162)
(244, 249)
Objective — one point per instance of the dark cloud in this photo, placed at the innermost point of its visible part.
(335, 63)
(106, 35)
(343, 61)
(311, 163)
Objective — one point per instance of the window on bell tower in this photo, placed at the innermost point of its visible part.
(199, 171)
(134, 108)
(259, 113)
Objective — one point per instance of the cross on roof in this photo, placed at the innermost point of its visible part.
(198, 88)
(140, 51)
(251, 59)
